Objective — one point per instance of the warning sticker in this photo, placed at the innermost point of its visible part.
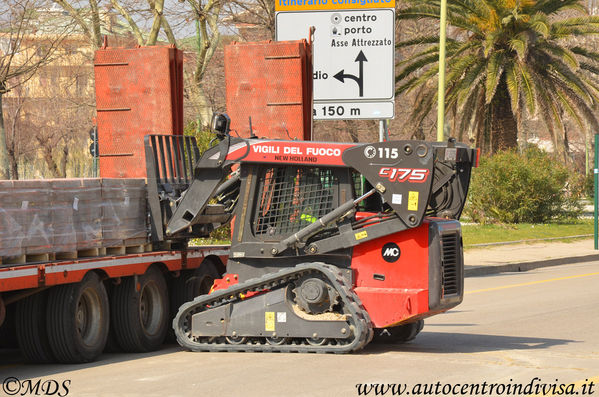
(361, 235)
(396, 198)
(269, 321)
(281, 317)
(413, 201)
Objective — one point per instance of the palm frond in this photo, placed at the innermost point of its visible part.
(493, 74)
(513, 87)
(420, 40)
(415, 66)
(527, 87)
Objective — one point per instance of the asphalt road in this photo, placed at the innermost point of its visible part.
(513, 330)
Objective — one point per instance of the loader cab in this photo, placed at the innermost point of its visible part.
(280, 200)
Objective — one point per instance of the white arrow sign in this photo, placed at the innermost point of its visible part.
(353, 55)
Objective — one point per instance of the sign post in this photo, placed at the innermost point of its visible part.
(441, 87)
(354, 54)
(596, 199)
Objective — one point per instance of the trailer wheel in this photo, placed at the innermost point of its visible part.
(399, 334)
(192, 283)
(8, 334)
(78, 320)
(112, 346)
(2, 311)
(187, 286)
(30, 325)
(140, 312)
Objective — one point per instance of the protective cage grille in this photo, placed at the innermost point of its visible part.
(450, 247)
(291, 198)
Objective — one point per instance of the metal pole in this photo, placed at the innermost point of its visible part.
(383, 135)
(596, 174)
(441, 93)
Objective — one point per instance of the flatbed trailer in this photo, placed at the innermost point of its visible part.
(37, 300)
(27, 276)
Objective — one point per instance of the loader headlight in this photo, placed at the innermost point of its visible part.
(220, 125)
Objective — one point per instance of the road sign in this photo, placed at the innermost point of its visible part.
(354, 53)
(353, 110)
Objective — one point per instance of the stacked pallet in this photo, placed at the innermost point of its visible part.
(25, 222)
(70, 216)
(124, 215)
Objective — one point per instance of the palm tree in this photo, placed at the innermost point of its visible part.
(504, 58)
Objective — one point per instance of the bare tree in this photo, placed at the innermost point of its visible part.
(206, 18)
(90, 19)
(23, 50)
(18, 143)
(257, 13)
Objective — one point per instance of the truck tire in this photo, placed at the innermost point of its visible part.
(30, 325)
(188, 285)
(78, 319)
(400, 334)
(112, 346)
(140, 312)
(8, 335)
(192, 283)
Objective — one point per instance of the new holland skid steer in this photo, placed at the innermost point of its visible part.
(332, 243)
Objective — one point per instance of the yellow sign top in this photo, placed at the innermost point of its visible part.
(317, 5)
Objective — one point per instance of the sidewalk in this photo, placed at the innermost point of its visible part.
(522, 257)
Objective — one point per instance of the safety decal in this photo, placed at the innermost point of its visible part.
(361, 235)
(413, 201)
(269, 321)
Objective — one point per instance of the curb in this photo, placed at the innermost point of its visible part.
(531, 240)
(475, 271)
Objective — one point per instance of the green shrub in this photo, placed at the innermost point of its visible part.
(531, 187)
(203, 137)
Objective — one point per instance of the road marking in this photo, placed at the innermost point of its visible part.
(530, 283)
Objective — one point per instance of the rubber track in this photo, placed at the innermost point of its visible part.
(352, 305)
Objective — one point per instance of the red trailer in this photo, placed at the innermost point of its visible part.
(64, 310)
(78, 269)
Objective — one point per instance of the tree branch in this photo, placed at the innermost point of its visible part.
(157, 7)
(130, 21)
(78, 19)
(95, 17)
